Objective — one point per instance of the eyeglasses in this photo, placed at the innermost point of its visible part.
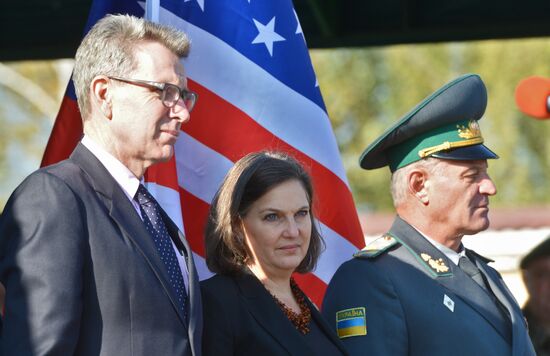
(170, 93)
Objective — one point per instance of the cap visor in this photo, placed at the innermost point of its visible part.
(468, 153)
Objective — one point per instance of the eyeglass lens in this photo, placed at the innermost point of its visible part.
(171, 95)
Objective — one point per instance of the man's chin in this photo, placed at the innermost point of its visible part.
(478, 227)
(165, 154)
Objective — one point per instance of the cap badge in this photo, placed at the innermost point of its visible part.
(472, 131)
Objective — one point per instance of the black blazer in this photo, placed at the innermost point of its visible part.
(82, 274)
(241, 318)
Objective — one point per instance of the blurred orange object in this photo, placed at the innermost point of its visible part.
(532, 95)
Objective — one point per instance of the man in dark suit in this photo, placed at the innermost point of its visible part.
(417, 290)
(91, 264)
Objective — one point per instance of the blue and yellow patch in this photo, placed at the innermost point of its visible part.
(351, 322)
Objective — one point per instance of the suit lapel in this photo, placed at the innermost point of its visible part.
(268, 315)
(194, 304)
(435, 264)
(125, 216)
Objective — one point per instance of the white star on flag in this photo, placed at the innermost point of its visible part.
(200, 2)
(267, 35)
(298, 26)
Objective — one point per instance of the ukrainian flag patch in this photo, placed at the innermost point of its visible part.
(351, 322)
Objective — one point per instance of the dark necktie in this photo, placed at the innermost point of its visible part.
(150, 212)
(466, 265)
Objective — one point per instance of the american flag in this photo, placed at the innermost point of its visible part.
(250, 65)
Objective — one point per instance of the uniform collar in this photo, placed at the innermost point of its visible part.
(449, 253)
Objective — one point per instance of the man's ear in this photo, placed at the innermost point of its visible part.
(418, 184)
(101, 94)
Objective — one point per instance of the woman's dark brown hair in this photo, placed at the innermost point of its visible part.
(249, 179)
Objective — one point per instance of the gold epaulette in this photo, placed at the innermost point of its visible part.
(376, 247)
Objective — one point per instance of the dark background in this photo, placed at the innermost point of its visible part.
(49, 29)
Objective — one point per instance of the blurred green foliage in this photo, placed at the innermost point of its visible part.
(367, 90)
(25, 128)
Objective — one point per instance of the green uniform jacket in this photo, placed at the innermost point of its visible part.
(403, 296)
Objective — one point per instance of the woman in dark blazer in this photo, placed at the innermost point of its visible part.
(260, 231)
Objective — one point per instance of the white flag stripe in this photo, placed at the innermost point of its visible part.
(169, 200)
(200, 169)
(285, 113)
(202, 269)
(338, 250)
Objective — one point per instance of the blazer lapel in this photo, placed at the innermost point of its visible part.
(435, 264)
(322, 323)
(125, 216)
(268, 315)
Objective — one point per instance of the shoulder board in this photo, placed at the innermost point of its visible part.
(377, 247)
(483, 258)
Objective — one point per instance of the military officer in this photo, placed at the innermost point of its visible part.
(417, 290)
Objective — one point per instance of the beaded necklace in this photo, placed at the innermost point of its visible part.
(300, 321)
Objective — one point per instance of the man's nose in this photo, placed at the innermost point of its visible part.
(487, 186)
(180, 112)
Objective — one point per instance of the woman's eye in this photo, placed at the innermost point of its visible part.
(271, 217)
(303, 212)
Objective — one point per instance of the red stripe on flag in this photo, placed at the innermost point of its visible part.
(227, 130)
(195, 212)
(66, 133)
(312, 286)
(165, 174)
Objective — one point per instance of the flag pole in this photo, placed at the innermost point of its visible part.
(152, 10)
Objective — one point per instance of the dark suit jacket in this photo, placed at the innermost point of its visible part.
(418, 302)
(82, 274)
(241, 318)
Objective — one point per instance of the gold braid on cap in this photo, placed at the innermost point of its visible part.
(471, 134)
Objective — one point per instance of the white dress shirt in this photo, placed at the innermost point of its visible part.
(129, 184)
(451, 254)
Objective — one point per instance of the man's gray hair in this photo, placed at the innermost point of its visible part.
(108, 49)
(399, 184)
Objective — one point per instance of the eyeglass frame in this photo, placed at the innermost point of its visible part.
(183, 93)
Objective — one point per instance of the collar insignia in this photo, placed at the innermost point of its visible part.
(437, 265)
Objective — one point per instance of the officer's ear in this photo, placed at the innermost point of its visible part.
(418, 184)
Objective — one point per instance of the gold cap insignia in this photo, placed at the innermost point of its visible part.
(472, 131)
(437, 265)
